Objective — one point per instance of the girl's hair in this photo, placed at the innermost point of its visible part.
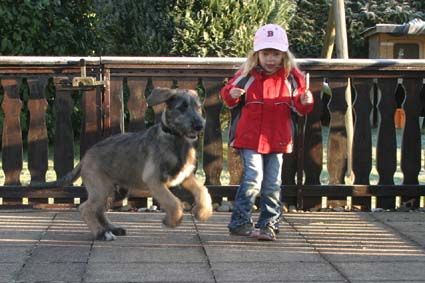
(288, 62)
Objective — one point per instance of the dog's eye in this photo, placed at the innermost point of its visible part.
(182, 107)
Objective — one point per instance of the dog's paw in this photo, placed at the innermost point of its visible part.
(118, 231)
(202, 213)
(173, 221)
(106, 236)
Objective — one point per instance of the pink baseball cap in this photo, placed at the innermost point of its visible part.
(271, 36)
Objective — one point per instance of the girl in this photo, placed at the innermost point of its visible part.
(264, 130)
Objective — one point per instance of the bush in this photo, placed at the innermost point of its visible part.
(133, 27)
(224, 27)
(47, 27)
(308, 27)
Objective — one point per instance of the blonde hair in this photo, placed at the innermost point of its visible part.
(288, 62)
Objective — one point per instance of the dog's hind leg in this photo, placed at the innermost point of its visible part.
(203, 203)
(116, 230)
(94, 208)
(92, 212)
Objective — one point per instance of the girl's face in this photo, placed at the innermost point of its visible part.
(270, 60)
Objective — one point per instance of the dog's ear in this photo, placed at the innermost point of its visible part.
(160, 95)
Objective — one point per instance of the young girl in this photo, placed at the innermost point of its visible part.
(264, 130)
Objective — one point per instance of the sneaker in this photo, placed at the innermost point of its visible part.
(266, 234)
(255, 233)
(243, 230)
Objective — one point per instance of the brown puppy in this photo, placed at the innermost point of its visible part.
(162, 157)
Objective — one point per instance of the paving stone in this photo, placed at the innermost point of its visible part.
(9, 271)
(383, 271)
(164, 254)
(14, 254)
(67, 237)
(417, 237)
(171, 239)
(52, 272)
(400, 216)
(321, 247)
(261, 254)
(145, 272)
(275, 272)
(60, 254)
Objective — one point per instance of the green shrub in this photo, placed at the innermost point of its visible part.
(307, 28)
(224, 27)
(135, 28)
(47, 27)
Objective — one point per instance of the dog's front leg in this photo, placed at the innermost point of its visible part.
(168, 202)
(203, 203)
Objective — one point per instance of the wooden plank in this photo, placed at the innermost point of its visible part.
(313, 141)
(116, 106)
(213, 142)
(137, 103)
(331, 191)
(63, 156)
(25, 191)
(12, 133)
(362, 141)
(290, 160)
(411, 140)
(37, 133)
(386, 149)
(337, 144)
(106, 104)
(91, 127)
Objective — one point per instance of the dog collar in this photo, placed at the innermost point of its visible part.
(168, 130)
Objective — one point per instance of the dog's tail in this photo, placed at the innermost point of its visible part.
(68, 179)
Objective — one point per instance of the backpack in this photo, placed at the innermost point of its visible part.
(235, 112)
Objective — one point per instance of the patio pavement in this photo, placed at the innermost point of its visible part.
(55, 246)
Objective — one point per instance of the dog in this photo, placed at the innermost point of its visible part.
(157, 159)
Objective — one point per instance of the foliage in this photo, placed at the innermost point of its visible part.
(182, 27)
(224, 27)
(307, 28)
(362, 14)
(47, 27)
(133, 27)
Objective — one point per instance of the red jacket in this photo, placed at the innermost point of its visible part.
(265, 124)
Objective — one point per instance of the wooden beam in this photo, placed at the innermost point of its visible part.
(329, 41)
(342, 52)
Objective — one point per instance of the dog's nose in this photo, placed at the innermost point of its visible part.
(198, 126)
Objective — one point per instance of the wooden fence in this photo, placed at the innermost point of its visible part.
(380, 87)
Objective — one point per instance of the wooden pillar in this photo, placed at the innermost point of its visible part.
(342, 52)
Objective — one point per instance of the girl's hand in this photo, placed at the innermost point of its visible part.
(306, 97)
(236, 92)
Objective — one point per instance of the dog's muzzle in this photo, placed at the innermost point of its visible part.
(197, 128)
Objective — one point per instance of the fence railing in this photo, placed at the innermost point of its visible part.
(313, 175)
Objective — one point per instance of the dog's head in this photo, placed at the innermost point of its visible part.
(182, 115)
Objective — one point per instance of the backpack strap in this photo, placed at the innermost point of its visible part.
(243, 82)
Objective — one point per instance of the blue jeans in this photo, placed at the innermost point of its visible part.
(262, 175)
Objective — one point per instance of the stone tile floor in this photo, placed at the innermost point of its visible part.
(55, 246)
